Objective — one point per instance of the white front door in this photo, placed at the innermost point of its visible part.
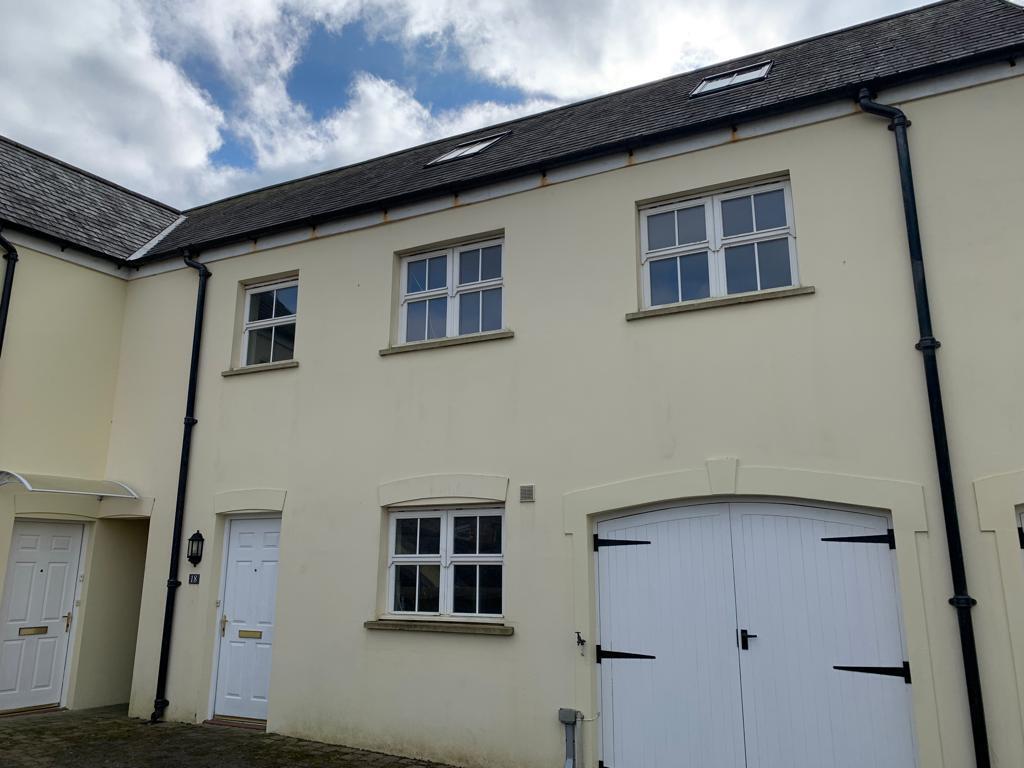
(36, 612)
(247, 618)
(749, 610)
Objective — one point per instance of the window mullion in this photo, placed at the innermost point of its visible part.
(451, 318)
(717, 253)
(447, 572)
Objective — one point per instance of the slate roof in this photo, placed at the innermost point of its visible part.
(906, 46)
(53, 198)
(43, 195)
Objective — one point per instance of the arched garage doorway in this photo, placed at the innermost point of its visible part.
(724, 630)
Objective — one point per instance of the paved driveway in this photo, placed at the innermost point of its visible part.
(107, 738)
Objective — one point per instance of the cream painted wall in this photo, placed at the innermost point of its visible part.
(110, 614)
(828, 383)
(59, 367)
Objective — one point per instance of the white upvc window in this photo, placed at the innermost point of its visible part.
(738, 241)
(452, 292)
(446, 562)
(268, 327)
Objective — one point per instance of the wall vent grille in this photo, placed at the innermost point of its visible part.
(526, 494)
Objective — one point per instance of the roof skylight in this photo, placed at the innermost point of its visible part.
(468, 148)
(733, 78)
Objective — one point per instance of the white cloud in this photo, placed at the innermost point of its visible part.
(86, 84)
(101, 83)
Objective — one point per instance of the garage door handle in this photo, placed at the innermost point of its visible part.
(745, 637)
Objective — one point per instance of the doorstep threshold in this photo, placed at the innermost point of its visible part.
(229, 721)
(41, 709)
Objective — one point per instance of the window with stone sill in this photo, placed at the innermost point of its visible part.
(452, 292)
(446, 563)
(268, 326)
(738, 241)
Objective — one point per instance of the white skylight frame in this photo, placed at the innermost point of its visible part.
(474, 147)
(732, 78)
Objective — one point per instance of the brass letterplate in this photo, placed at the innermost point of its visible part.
(250, 633)
(24, 631)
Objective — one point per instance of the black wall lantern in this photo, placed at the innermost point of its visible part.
(195, 548)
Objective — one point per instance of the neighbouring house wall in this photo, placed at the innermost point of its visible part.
(829, 384)
(59, 367)
(110, 614)
(57, 372)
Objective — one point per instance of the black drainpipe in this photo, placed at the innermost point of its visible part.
(160, 702)
(11, 257)
(928, 344)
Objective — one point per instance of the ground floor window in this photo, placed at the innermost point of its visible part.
(446, 562)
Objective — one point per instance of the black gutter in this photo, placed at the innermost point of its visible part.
(927, 345)
(11, 257)
(160, 702)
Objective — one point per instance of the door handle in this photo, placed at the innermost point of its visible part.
(223, 623)
(67, 621)
(745, 637)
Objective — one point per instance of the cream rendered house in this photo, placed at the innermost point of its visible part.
(599, 435)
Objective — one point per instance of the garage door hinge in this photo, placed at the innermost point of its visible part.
(599, 542)
(889, 537)
(603, 654)
(903, 671)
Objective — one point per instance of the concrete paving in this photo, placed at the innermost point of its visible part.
(108, 738)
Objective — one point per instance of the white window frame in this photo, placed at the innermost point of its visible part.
(452, 291)
(717, 242)
(446, 559)
(252, 325)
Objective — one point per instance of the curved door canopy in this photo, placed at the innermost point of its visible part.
(775, 633)
(77, 486)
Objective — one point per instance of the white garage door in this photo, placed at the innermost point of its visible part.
(751, 635)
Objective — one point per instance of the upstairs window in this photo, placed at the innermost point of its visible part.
(268, 332)
(738, 241)
(452, 292)
(467, 148)
(446, 562)
(733, 78)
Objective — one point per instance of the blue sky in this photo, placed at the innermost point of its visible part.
(436, 74)
(433, 72)
(192, 100)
